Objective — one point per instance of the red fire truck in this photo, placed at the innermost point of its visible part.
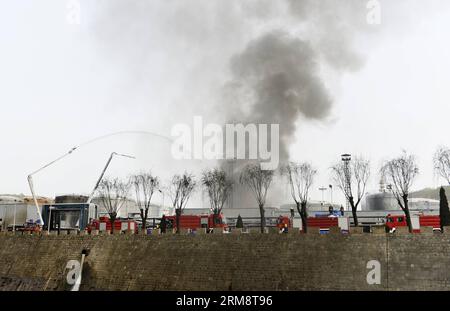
(193, 222)
(104, 224)
(395, 221)
(321, 223)
(29, 226)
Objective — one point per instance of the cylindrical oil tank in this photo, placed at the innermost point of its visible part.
(71, 198)
(383, 201)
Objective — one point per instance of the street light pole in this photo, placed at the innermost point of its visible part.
(346, 158)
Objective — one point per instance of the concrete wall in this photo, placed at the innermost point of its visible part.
(228, 262)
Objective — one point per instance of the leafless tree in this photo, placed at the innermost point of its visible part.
(300, 177)
(357, 177)
(113, 194)
(258, 181)
(181, 189)
(145, 185)
(400, 173)
(219, 188)
(442, 163)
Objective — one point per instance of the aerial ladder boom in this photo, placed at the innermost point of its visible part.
(31, 185)
(91, 196)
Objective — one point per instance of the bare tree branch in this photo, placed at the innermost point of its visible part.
(358, 175)
(400, 174)
(442, 163)
(145, 184)
(361, 171)
(258, 181)
(181, 189)
(113, 194)
(300, 177)
(218, 187)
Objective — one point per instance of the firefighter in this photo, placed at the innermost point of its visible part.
(280, 223)
(163, 224)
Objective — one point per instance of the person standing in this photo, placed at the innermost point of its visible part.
(163, 224)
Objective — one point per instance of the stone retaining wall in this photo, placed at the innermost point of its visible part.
(227, 261)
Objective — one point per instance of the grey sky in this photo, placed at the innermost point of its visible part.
(145, 65)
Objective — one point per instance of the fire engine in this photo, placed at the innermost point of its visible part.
(395, 221)
(322, 223)
(104, 224)
(29, 226)
(193, 222)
